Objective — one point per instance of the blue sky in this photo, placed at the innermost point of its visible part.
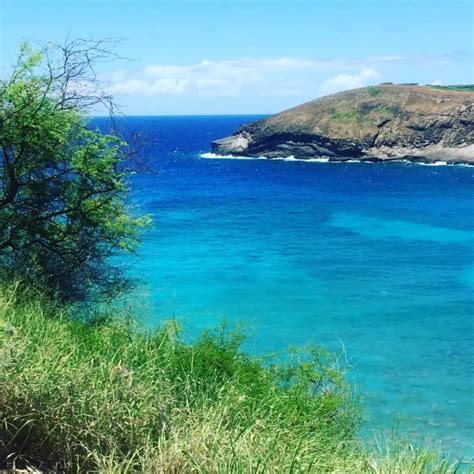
(252, 56)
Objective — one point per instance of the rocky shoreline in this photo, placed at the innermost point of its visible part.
(383, 123)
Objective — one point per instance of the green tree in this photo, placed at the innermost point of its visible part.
(63, 186)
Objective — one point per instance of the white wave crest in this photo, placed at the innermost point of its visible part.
(317, 160)
(214, 156)
(435, 163)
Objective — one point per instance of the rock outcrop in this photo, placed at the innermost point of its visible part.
(385, 122)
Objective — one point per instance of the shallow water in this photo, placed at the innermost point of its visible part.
(375, 258)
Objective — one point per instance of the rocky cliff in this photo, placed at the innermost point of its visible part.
(385, 122)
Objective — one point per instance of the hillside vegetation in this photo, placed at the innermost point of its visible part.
(375, 123)
(103, 396)
(459, 87)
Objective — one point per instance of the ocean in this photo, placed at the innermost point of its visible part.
(373, 261)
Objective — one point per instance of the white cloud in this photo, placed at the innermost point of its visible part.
(293, 88)
(343, 82)
(204, 78)
(132, 86)
(287, 76)
(169, 86)
(229, 77)
(438, 82)
(119, 75)
(239, 67)
(256, 81)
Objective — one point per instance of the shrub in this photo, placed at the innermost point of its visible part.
(62, 186)
(373, 91)
(106, 396)
(346, 115)
(78, 396)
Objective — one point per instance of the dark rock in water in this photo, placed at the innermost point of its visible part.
(386, 122)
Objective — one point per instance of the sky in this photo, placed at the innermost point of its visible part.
(252, 56)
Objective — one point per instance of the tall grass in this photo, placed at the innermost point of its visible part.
(104, 396)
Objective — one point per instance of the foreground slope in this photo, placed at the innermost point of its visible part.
(384, 122)
(105, 396)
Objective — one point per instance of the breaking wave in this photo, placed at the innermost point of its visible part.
(215, 156)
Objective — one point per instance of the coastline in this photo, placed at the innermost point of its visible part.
(438, 157)
(390, 123)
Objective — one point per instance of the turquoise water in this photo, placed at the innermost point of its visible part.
(377, 259)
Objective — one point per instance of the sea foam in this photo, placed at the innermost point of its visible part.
(215, 156)
(435, 163)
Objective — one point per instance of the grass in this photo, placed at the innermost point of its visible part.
(346, 115)
(385, 111)
(373, 91)
(104, 396)
(460, 87)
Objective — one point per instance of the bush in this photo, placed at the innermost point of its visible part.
(373, 91)
(346, 115)
(460, 87)
(104, 396)
(63, 187)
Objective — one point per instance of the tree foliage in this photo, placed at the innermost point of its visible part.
(63, 186)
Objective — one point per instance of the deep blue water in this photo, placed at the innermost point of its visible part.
(375, 258)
